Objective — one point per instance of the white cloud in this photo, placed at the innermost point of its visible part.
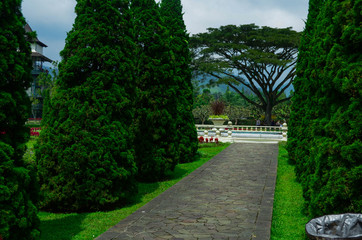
(55, 13)
(278, 18)
(202, 14)
(53, 18)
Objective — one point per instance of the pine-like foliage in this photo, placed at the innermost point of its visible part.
(18, 192)
(156, 142)
(171, 11)
(84, 155)
(325, 128)
(305, 100)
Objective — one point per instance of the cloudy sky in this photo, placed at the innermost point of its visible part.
(52, 19)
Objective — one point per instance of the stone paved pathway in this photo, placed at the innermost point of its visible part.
(229, 197)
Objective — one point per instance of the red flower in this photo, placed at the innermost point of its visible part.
(34, 131)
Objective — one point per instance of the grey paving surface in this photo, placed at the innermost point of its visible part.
(229, 197)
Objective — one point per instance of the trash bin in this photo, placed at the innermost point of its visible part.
(333, 227)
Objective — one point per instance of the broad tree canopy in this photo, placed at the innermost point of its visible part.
(261, 59)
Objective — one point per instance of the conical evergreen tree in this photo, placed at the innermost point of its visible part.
(171, 11)
(85, 159)
(325, 134)
(155, 129)
(18, 192)
(305, 101)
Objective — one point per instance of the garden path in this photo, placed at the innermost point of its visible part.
(229, 197)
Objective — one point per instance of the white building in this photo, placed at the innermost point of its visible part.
(38, 59)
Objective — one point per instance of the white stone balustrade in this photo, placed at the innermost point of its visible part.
(230, 131)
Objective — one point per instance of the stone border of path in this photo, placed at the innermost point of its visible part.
(188, 210)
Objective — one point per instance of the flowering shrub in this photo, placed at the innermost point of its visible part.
(206, 140)
(34, 131)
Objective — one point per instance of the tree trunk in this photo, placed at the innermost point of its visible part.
(268, 114)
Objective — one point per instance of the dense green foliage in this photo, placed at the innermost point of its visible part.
(171, 11)
(325, 128)
(84, 156)
(260, 59)
(18, 191)
(156, 145)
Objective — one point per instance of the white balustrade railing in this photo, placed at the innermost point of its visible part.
(233, 130)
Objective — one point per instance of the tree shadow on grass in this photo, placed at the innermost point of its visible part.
(177, 173)
(62, 227)
(144, 189)
(148, 190)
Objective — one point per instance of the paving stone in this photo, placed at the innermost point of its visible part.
(229, 197)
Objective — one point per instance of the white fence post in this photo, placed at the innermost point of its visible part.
(230, 128)
(285, 131)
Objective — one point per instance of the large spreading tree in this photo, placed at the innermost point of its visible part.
(171, 11)
(18, 187)
(259, 59)
(84, 154)
(325, 126)
(156, 144)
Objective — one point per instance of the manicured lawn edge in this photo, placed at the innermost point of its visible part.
(288, 218)
(84, 226)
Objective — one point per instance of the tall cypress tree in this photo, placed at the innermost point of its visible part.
(328, 91)
(85, 157)
(305, 101)
(18, 192)
(187, 136)
(155, 128)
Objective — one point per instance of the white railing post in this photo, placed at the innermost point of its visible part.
(217, 132)
(285, 131)
(230, 128)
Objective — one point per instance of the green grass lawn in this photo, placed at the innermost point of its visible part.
(288, 218)
(90, 225)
